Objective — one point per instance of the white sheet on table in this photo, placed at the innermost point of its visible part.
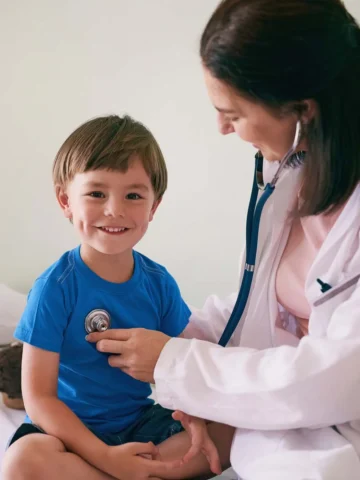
(12, 305)
(9, 421)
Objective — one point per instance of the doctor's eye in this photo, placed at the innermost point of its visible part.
(96, 195)
(133, 196)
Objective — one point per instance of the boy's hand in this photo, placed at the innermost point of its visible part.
(134, 461)
(200, 440)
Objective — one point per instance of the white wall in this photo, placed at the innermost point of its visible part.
(64, 62)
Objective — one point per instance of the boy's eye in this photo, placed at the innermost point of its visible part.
(96, 195)
(133, 196)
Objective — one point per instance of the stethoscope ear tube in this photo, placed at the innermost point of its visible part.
(252, 235)
(252, 231)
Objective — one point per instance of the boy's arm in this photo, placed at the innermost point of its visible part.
(39, 385)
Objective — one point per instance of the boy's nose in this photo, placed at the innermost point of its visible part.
(115, 209)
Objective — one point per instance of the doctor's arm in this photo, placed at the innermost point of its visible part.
(209, 322)
(312, 385)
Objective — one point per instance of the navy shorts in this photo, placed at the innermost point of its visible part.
(154, 425)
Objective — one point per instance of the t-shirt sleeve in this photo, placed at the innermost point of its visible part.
(176, 313)
(45, 317)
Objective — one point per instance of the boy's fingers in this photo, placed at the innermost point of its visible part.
(157, 468)
(143, 448)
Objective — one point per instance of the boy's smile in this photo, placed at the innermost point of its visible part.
(114, 230)
(110, 210)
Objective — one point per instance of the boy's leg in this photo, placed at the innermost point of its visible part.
(43, 457)
(176, 446)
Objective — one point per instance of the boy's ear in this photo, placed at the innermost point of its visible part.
(63, 200)
(154, 208)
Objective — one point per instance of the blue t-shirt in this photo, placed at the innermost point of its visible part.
(102, 396)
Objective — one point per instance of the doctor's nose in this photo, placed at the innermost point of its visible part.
(225, 126)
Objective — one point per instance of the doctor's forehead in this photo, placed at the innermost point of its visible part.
(223, 97)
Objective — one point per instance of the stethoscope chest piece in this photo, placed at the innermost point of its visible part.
(97, 321)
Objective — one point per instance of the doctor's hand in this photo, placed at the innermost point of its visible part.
(200, 440)
(135, 350)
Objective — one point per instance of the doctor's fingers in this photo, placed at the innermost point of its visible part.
(117, 361)
(111, 346)
(111, 334)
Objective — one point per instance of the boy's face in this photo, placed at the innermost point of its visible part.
(110, 210)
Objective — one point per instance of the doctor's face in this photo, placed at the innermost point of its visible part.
(252, 122)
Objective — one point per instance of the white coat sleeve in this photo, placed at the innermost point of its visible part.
(209, 322)
(312, 385)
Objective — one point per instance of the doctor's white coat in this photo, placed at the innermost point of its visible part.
(282, 395)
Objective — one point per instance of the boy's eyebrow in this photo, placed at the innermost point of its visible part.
(136, 186)
(95, 184)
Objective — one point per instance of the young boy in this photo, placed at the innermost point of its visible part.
(109, 179)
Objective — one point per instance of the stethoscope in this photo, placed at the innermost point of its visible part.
(252, 231)
(99, 320)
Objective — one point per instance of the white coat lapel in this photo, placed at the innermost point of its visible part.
(258, 329)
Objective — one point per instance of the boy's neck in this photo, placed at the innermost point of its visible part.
(112, 268)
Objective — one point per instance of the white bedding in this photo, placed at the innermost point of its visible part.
(9, 421)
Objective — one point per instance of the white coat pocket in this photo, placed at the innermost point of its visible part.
(346, 284)
(324, 307)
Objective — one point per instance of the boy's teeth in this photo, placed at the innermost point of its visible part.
(111, 229)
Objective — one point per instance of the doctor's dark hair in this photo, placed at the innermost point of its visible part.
(110, 143)
(279, 53)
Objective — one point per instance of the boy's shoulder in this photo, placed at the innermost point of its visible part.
(155, 273)
(150, 266)
(60, 270)
(57, 280)
(56, 286)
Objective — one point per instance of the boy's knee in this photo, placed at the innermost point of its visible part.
(27, 457)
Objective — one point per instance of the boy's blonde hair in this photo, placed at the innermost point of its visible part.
(110, 143)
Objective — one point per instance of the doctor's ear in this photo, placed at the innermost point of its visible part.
(307, 110)
(154, 208)
(63, 200)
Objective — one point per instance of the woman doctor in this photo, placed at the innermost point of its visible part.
(289, 380)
